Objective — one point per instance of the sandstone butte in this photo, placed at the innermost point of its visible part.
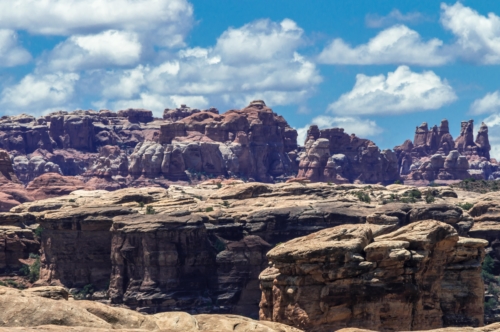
(342, 255)
(57, 153)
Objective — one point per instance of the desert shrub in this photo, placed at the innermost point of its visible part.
(141, 204)
(34, 269)
(150, 210)
(398, 182)
(414, 193)
(429, 198)
(71, 200)
(226, 204)
(209, 209)
(38, 231)
(86, 290)
(219, 245)
(490, 304)
(219, 185)
(362, 196)
(408, 200)
(24, 270)
(488, 264)
(433, 184)
(465, 206)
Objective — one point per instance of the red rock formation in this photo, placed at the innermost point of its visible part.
(12, 192)
(53, 185)
(253, 142)
(333, 156)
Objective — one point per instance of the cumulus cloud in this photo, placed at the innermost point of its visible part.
(351, 124)
(215, 75)
(108, 48)
(478, 36)
(259, 41)
(11, 53)
(490, 103)
(395, 16)
(397, 44)
(402, 91)
(164, 21)
(36, 94)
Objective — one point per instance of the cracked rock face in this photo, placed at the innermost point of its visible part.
(421, 276)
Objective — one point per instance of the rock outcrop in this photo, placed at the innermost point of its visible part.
(333, 156)
(422, 276)
(250, 143)
(47, 309)
(201, 249)
(12, 192)
(435, 156)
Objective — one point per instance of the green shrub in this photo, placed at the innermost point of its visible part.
(34, 269)
(490, 304)
(86, 290)
(329, 183)
(209, 209)
(71, 200)
(24, 270)
(219, 245)
(414, 193)
(465, 206)
(38, 231)
(362, 196)
(141, 204)
(226, 204)
(488, 264)
(219, 185)
(408, 200)
(429, 198)
(150, 210)
(398, 182)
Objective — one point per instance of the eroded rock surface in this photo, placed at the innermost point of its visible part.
(422, 276)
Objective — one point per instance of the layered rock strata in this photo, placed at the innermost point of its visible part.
(422, 276)
(203, 248)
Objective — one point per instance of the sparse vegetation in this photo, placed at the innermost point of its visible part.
(414, 193)
(398, 182)
(219, 245)
(150, 210)
(429, 197)
(479, 186)
(71, 200)
(329, 183)
(465, 206)
(209, 209)
(219, 185)
(38, 231)
(33, 271)
(226, 204)
(362, 196)
(86, 290)
(141, 204)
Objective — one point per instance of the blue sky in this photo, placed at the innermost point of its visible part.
(376, 68)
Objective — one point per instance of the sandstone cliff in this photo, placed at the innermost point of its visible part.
(422, 276)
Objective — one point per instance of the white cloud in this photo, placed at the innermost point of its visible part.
(395, 16)
(259, 41)
(478, 36)
(35, 94)
(352, 125)
(11, 54)
(397, 44)
(402, 91)
(490, 103)
(214, 76)
(108, 48)
(164, 21)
